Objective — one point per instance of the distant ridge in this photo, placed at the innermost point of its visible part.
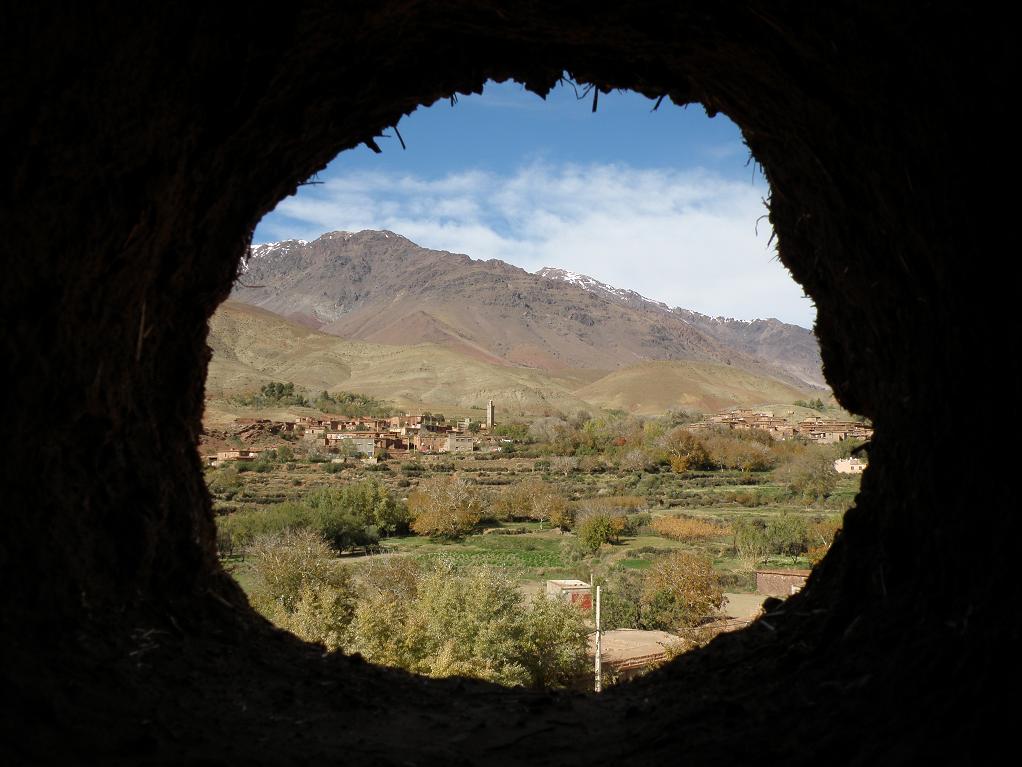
(252, 346)
(380, 287)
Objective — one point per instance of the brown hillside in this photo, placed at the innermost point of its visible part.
(252, 346)
(381, 287)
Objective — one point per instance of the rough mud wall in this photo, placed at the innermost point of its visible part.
(141, 146)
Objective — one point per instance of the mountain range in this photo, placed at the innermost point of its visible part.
(381, 288)
(252, 346)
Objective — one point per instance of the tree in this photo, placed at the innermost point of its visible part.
(284, 563)
(444, 507)
(812, 476)
(787, 535)
(356, 514)
(550, 506)
(750, 541)
(594, 530)
(684, 450)
(621, 606)
(680, 589)
(471, 623)
(277, 391)
(529, 499)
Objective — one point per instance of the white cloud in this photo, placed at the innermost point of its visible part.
(687, 238)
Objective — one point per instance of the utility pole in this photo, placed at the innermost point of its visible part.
(599, 667)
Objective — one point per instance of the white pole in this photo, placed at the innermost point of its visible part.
(599, 669)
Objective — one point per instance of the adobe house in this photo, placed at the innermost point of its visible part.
(143, 144)
(362, 445)
(849, 466)
(780, 582)
(457, 443)
(237, 455)
(572, 591)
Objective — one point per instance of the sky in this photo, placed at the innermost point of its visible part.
(667, 203)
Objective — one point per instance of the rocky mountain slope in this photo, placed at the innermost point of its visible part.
(252, 346)
(383, 288)
(792, 348)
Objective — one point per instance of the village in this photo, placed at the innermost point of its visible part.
(370, 438)
(816, 429)
(403, 436)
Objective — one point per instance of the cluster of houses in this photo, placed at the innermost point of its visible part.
(822, 431)
(368, 437)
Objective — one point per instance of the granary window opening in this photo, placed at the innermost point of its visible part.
(510, 351)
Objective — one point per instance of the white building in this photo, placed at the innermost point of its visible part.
(849, 466)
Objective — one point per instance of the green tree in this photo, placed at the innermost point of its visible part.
(787, 535)
(750, 541)
(368, 504)
(811, 476)
(621, 601)
(594, 530)
(474, 623)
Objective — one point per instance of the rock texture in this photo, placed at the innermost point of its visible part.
(141, 146)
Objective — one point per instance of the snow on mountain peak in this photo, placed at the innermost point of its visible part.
(593, 285)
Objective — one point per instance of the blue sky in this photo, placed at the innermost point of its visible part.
(666, 203)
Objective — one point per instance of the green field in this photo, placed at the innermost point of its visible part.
(541, 553)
